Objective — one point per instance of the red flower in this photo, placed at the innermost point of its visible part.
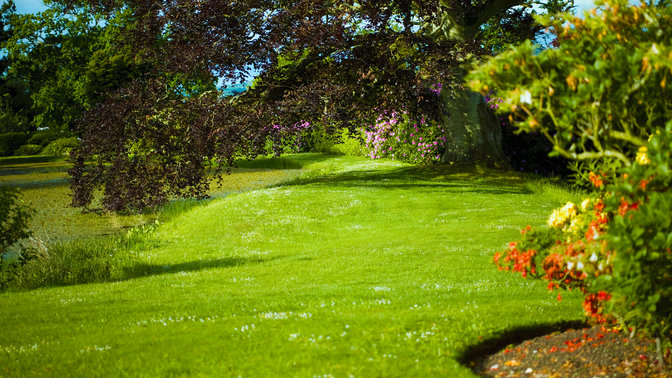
(603, 296)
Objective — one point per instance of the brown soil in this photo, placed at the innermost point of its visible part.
(589, 352)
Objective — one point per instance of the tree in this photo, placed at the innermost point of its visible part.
(349, 61)
(15, 102)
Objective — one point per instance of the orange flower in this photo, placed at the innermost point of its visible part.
(644, 183)
(595, 179)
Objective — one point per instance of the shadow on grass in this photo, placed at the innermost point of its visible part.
(476, 353)
(458, 177)
(11, 160)
(291, 161)
(145, 269)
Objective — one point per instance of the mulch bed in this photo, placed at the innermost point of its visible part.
(590, 352)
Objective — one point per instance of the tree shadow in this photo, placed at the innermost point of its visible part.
(438, 176)
(478, 352)
(144, 269)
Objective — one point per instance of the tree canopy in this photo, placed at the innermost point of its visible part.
(335, 61)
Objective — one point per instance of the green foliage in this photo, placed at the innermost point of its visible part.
(45, 137)
(9, 142)
(641, 237)
(14, 219)
(48, 52)
(348, 144)
(61, 146)
(601, 92)
(108, 71)
(11, 120)
(616, 250)
(28, 149)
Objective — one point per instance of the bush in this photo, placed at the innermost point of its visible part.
(349, 144)
(10, 142)
(396, 136)
(45, 137)
(28, 149)
(617, 249)
(640, 235)
(14, 219)
(61, 146)
(601, 93)
(288, 139)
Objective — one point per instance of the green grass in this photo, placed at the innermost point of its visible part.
(44, 184)
(358, 267)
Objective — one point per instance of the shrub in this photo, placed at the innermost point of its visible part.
(61, 146)
(567, 253)
(396, 136)
(45, 137)
(349, 144)
(10, 142)
(28, 149)
(640, 234)
(601, 92)
(617, 249)
(14, 219)
(289, 139)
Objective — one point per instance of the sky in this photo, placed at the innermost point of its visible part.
(29, 6)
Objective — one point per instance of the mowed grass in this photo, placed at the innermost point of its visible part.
(45, 186)
(357, 268)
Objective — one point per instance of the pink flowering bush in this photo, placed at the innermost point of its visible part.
(398, 137)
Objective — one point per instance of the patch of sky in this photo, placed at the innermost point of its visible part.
(29, 6)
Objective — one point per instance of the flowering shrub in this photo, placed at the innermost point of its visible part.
(601, 92)
(640, 234)
(396, 136)
(617, 249)
(566, 253)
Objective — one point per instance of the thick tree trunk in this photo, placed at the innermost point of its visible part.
(471, 129)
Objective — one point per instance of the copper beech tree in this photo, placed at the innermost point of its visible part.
(155, 136)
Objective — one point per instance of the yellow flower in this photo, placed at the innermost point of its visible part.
(574, 225)
(585, 204)
(642, 157)
(562, 215)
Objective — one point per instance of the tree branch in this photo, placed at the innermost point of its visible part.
(485, 13)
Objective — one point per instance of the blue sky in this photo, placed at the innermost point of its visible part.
(29, 6)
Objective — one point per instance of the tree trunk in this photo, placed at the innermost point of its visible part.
(471, 129)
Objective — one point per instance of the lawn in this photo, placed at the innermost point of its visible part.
(323, 266)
